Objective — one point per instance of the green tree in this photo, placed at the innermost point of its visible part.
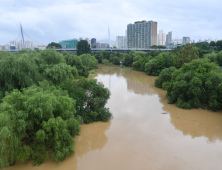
(74, 60)
(219, 58)
(212, 43)
(116, 61)
(219, 45)
(91, 97)
(38, 123)
(186, 55)
(165, 76)
(83, 47)
(53, 44)
(18, 71)
(60, 72)
(106, 62)
(127, 59)
(157, 64)
(196, 84)
(89, 61)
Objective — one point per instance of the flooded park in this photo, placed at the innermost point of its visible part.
(145, 132)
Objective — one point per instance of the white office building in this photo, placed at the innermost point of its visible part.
(121, 42)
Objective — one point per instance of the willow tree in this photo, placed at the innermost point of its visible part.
(23, 70)
(74, 60)
(38, 123)
(18, 71)
(91, 97)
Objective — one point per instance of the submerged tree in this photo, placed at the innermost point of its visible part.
(91, 97)
(196, 84)
(38, 123)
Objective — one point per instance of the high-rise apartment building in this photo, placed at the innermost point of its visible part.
(161, 38)
(121, 42)
(186, 40)
(169, 38)
(142, 34)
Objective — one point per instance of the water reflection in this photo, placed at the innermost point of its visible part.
(195, 122)
(139, 88)
(92, 137)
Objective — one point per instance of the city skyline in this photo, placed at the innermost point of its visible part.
(52, 21)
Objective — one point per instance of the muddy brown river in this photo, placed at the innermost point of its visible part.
(146, 133)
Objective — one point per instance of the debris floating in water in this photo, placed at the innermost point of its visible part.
(165, 113)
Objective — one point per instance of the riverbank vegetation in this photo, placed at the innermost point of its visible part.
(191, 74)
(42, 107)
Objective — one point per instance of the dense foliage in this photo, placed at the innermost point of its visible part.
(106, 62)
(89, 61)
(83, 47)
(74, 60)
(165, 76)
(158, 63)
(196, 84)
(186, 55)
(91, 97)
(40, 109)
(53, 44)
(37, 123)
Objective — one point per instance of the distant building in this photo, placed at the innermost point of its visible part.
(186, 40)
(102, 45)
(142, 34)
(72, 43)
(161, 38)
(80, 38)
(121, 42)
(93, 42)
(41, 47)
(113, 45)
(169, 38)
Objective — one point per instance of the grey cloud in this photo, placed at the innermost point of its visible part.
(47, 21)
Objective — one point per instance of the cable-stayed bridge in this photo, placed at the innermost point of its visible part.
(23, 41)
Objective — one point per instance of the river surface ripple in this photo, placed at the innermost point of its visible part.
(145, 133)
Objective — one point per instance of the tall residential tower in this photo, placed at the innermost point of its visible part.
(142, 34)
(169, 38)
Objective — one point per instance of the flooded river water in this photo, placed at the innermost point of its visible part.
(146, 133)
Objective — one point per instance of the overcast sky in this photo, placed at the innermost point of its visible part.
(48, 21)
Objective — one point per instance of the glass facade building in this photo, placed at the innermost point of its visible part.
(72, 43)
(93, 42)
(186, 40)
(142, 34)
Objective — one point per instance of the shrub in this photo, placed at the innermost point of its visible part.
(91, 72)
(106, 62)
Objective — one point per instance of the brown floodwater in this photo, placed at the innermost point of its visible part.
(146, 133)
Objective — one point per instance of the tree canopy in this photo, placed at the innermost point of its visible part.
(54, 44)
(83, 47)
(186, 55)
(41, 107)
(37, 123)
(196, 84)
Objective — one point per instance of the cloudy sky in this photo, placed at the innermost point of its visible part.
(48, 21)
